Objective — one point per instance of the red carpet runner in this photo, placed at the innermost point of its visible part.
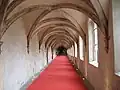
(59, 75)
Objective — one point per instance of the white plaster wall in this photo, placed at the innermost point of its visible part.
(116, 31)
(16, 65)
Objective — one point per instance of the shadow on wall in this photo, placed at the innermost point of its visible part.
(24, 86)
(116, 83)
(29, 81)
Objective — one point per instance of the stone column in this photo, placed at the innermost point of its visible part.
(52, 52)
(0, 46)
(47, 55)
(74, 49)
(106, 60)
(78, 50)
(86, 50)
(109, 60)
(78, 53)
(74, 53)
(86, 55)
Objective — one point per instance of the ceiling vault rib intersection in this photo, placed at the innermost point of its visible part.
(85, 6)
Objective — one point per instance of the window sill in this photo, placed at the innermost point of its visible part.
(118, 74)
(82, 59)
(94, 63)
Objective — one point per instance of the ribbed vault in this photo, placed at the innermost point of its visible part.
(53, 30)
(64, 34)
(59, 36)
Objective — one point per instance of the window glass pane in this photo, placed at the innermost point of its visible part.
(81, 48)
(96, 53)
(75, 50)
(93, 44)
(95, 25)
(116, 35)
(96, 36)
(90, 33)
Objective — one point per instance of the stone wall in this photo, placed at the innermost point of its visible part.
(17, 66)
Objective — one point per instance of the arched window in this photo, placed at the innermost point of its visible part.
(81, 48)
(93, 43)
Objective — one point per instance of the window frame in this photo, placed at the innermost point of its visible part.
(94, 46)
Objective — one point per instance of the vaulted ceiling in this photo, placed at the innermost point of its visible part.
(55, 22)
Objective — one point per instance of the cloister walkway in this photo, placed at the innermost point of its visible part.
(59, 75)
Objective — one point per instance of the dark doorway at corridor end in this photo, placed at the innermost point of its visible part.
(61, 51)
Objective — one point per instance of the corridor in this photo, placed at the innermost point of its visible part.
(88, 31)
(59, 75)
